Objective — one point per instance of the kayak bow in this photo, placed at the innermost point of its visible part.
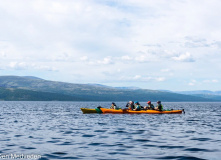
(87, 110)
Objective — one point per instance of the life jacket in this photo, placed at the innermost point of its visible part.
(151, 106)
(138, 107)
(131, 106)
(116, 108)
(160, 107)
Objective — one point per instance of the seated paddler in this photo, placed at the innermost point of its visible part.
(150, 106)
(113, 106)
(137, 106)
(159, 106)
(130, 105)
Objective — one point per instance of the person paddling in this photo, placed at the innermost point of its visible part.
(159, 106)
(113, 106)
(130, 105)
(150, 106)
(137, 106)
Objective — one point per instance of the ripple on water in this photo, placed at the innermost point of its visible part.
(68, 132)
(56, 138)
(8, 139)
(59, 153)
(199, 150)
(108, 145)
(119, 132)
(117, 152)
(18, 135)
(139, 132)
(65, 143)
(102, 124)
(54, 141)
(201, 139)
(142, 140)
(100, 131)
(190, 131)
(103, 136)
(180, 158)
(23, 147)
(149, 145)
(88, 135)
(127, 146)
(43, 158)
(51, 156)
(95, 144)
(113, 153)
(172, 147)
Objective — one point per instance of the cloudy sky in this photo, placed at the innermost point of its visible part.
(153, 44)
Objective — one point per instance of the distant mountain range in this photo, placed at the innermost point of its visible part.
(28, 88)
(201, 92)
(216, 95)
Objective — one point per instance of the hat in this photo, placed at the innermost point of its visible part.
(136, 102)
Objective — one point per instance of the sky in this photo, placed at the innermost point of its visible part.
(151, 44)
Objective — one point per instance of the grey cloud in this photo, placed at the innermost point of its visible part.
(217, 43)
(195, 42)
(186, 57)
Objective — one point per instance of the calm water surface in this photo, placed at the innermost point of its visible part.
(59, 130)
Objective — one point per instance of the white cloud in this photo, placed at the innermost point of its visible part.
(157, 79)
(18, 65)
(106, 60)
(3, 54)
(211, 81)
(191, 84)
(137, 77)
(165, 70)
(203, 82)
(186, 57)
(160, 79)
(29, 66)
(141, 78)
(46, 68)
(84, 58)
(127, 58)
(215, 81)
(194, 42)
(148, 56)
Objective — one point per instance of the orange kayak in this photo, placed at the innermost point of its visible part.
(126, 111)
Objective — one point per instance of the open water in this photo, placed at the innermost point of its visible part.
(59, 130)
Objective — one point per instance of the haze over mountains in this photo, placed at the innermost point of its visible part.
(28, 88)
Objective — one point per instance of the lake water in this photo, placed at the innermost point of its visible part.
(59, 130)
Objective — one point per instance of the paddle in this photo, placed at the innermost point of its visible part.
(183, 111)
(99, 107)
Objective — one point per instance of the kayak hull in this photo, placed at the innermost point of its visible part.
(88, 111)
(120, 111)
